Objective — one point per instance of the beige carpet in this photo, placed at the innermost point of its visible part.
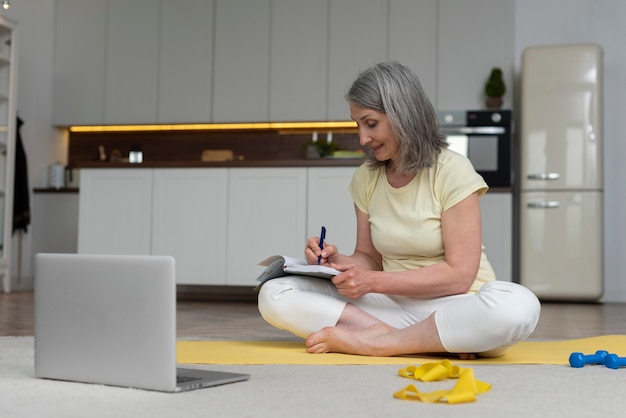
(311, 391)
(293, 352)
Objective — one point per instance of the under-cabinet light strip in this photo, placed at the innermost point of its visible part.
(219, 126)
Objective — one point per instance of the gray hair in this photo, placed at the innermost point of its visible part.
(394, 89)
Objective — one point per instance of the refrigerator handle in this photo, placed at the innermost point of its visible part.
(551, 204)
(544, 176)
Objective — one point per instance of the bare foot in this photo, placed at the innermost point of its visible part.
(375, 340)
(467, 356)
(380, 340)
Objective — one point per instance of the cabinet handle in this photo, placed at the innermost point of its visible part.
(551, 204)
(544, 176)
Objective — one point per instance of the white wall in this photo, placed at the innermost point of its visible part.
(42, 143)
(541, 22)
(537, 22)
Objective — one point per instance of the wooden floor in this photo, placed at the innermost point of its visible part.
(240, 321)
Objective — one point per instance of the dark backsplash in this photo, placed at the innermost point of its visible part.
(187, 146)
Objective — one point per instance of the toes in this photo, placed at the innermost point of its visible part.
(467, 356)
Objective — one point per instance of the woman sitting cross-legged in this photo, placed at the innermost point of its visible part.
(418, 280)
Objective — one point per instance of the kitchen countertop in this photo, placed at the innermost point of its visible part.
(318, 162)
(55, 190)
(313, 162)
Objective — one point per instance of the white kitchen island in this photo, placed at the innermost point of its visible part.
(220, 222)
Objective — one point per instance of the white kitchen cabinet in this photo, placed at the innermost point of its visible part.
(185, 61)
(151, 61)
(266, 216)
(242, 63)
(79, 62)
(497, 227)
(218, 223)
(412, 39)
(473, 37)
(115, 209)
(55, 222)
(8, 130)
(329, 204)
(132, 62)
(188, 222)
(177, 212)
(358, 39)
(298, 60)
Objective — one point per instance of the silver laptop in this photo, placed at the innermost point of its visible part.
(111, 320)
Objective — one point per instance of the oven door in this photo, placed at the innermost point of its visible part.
(487, 147)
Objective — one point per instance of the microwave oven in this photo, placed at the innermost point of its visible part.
(485, 138)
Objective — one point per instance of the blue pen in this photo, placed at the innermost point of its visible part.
(322, 236)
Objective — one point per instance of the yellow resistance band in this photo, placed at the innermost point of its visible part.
(465, 389)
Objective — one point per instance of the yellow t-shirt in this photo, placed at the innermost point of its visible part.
(405, 222)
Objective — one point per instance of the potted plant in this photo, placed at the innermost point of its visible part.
(495, 89)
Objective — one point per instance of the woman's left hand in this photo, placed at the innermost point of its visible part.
(354, 281)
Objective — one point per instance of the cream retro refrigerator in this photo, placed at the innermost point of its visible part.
(560, 176)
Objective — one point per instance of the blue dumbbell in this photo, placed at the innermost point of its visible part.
(613, 361)
(580, 360)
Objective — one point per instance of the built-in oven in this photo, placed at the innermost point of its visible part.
(485, 137)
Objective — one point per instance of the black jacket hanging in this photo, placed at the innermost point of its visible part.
(21, 200)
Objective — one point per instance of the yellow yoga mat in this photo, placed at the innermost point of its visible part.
(293, 352)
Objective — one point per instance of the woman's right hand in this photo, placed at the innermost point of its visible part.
(313, 251)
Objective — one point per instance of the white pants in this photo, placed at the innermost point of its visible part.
(488, 322)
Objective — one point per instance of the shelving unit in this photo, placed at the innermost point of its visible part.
(7, 144)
